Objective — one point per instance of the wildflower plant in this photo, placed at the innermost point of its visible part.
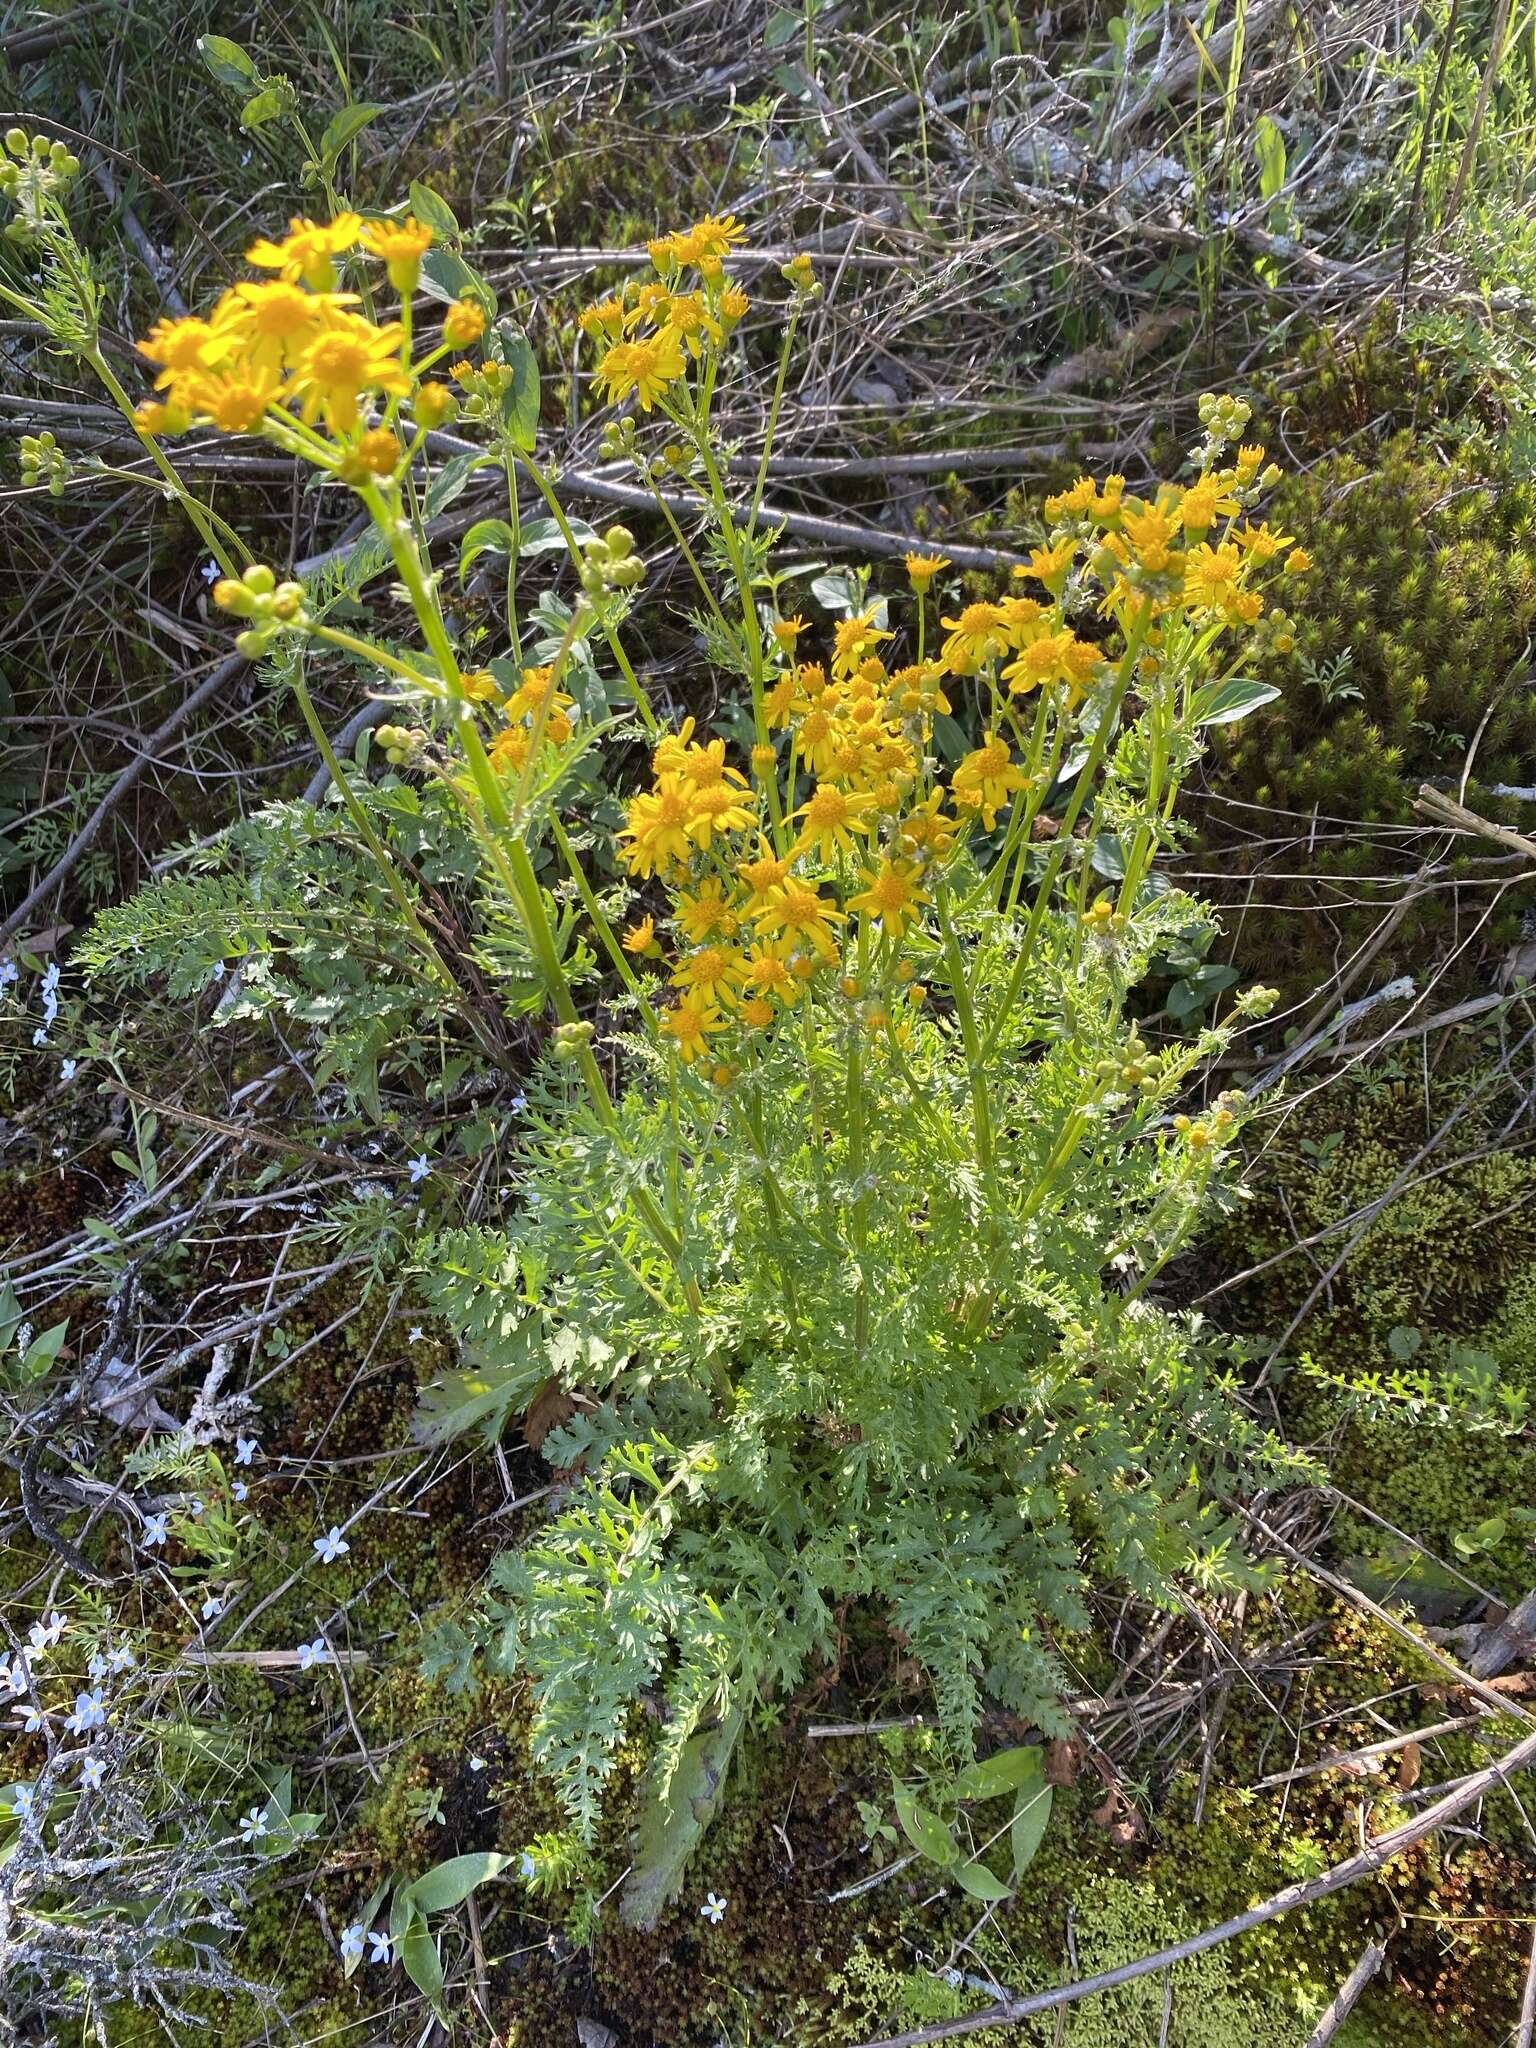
(841, 1242)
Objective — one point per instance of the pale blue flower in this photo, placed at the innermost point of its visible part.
(378, 1946)
(42, 1635)
(420, 1167)
(212, 1607)
(526, 1865)
(331, 1545)
(93, 1770)
(239, 1489)
(120, 1658)
(246, 1448)
(154, 1530)
(311, 1654)
(31, 1718)
(68, 1069)
(210, 573)
(352, 1942)
(90, 1712)
(23, 1801)
(418, 1334)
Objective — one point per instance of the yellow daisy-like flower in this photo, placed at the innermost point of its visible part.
(1212, 579)
(463, 324)
(975, 637)
(788, 631)
(1149, 530)
(707, 913)
(769, 972)
(987, 779)
(704, 765)
(236, 403)
(1297, 562)
(714, 235)
(1073, 503)
(734, 305)
(400, 244)
(309, 250)
(181, 347)
(760, 878)
(645, 367)
(478, 684)
(269, 322)
(800, 912)
(890, 894)
(927, 830)
(1052, 658)
(921, 569)
(640, 939)
(655, 830)
(714, 972)
(690, 1023)
(603, 321)
(1050, 564)
(757, 1013)
(343, 362)
(832, 817)
(854, 640)
(718, 809)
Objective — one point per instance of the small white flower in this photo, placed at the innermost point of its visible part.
(253, 1825)
(23, 1800)
(420, 1167)
(68, 1069)
(212, 1607)
(713, 1909)
(120, 1658)
(311, 1654)
(526, 1865)
(90, 1712)
(154, 1530)
(954, 1978)
(331, 1545)
(218, 971)
(239, 1489)
(378, 1946)
(98, 1667)
(246, 1448)
(352, 1942)
(477, 1763)
(197, 1507)
(417, 1334)
(31, 1718)
(210, 572)
(15, 1675)
(92, 1772)
(518, 1104)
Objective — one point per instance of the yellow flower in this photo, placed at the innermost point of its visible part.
(478, 684)
(704, 765)
(656, 828)
(1149, 531)
(831, 817)
(921, 569)
(180, 347)
(309, 250)
(435, 405)
(605, 320)
(714, 972)
(795, 909)
(757, 1013)
(976, 636)
(645, 367)
(341, 363)
(788, 631)
(1050, 564)
(717, 808)
(401, 244)
(1052, 658)
(855, 639)
(269, 323)
(463, 324)
(768, 971)
(379, 452)
(1071, 504)
(688, 316)
(781, 703)
(760, 878)
(1261, 543)
(986, 780)
(236, 403)
(714, 235)
(890, 894)
(640, 939)
(706, 914)
(1212, 578)
(1297, 562)
(734, 304)
(688, 1024)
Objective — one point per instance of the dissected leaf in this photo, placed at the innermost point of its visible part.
(670, 1827)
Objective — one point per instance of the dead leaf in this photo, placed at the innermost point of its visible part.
(1410, 1766)
(550, 1408)
(1063, 1759)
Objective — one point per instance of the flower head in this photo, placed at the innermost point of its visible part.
(401, 244)
(309, 250)
(713, 1909)
(331, 1545)
(352, 1942)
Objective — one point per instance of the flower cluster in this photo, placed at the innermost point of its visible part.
(293, 357)
(650, 331)
(818, 856)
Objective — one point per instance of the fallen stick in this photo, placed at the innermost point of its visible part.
(1366, 1863)
(1348, 1992)
(1527, 2024)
